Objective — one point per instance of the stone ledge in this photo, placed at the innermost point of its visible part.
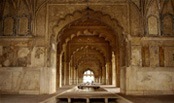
(29, 92)
(150, 92)
(20, 68)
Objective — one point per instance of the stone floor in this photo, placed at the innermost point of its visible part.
(20, 98)
(151, 99)
(16, 98)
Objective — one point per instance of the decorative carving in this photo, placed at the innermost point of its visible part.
(167, 25)
(167, 15)
(39, 52)
(135, 21)
(153, 26)
(24, 57)
(146, 78)
(9, 56)
(13, 56)
(17, 20)
(8, 26)
(136, 2)
(23, 26)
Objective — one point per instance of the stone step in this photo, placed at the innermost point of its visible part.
(87, 100)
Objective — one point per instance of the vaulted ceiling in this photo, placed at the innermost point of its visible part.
(87, 42)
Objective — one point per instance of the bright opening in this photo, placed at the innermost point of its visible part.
(88, 76)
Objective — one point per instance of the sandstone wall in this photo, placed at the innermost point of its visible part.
(151, 72)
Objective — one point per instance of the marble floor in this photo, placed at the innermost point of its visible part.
(73, 92)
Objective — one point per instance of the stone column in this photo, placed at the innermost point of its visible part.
(113, 70)
(75, 75)
(59, 71)
(103, 75)
(66, 73)
(70, 74)
(108, 73)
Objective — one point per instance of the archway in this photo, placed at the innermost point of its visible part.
(88, 76)
(90, 41)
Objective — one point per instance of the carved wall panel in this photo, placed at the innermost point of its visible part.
(18, 24)
(136, 56)
(38, 56)
(169, 61)
(167, 15)
(151, 14)
(135, 21)
(168, 25)
(40, 22)
(8, 26)
(9, 56)
(23, 26)
(153, 8)
(153, 26)
(167, 7)
(15, 56)
(24, 57)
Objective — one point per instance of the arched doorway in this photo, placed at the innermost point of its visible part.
(90, 41)
(88, 76)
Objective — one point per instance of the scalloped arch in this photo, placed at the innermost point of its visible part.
(105, 18)
(99, 57)
(89, 47)
(81, 60)
(101, 34)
